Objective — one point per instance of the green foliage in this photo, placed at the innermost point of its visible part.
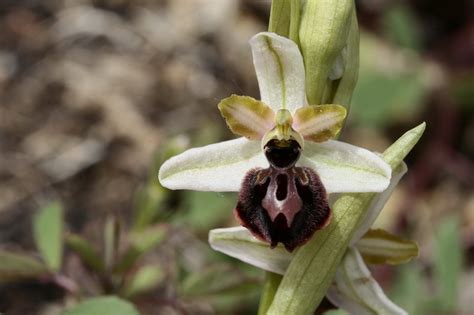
(205, 210)
(107, 305)
(48, 234)
(140, 243)
(145, 279)
(448, 263)
(387, 91)
(14, 266)
(86, 252)
(216, 280)
(150, 200)
(410, 289)
(400, 25)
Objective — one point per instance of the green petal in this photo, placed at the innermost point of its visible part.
(380, 247)
(246, 116)
(356, 291)
(319, 123)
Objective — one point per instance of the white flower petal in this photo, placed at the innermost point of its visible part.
(237, 242)
(216, 167)
(378, 203)
(346, 168)
(356, 291)
(280, 71)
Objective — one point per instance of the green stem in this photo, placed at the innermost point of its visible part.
(295, 21)
(272, 281)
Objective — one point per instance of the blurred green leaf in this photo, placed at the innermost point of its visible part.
(336, 312)
(111, 240)
(217, 279)
(448, 263)
(107, 305)
(205, 210)
(150, 200)
(86, 252)
(145, 279)
(408, 291)
(387, 91)
(140, 243)
(401, 27)
(48, 234)
(14, 266)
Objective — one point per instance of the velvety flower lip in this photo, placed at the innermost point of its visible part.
(281, 112)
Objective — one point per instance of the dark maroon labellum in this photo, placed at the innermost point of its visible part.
(283, 203)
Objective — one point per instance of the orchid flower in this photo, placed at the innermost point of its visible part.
(353, 288)
(285, 162)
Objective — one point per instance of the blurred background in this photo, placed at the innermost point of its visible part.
(96, 94)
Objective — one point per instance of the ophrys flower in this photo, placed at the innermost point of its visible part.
(285, 163)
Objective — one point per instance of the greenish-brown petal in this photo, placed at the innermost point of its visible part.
(247, 116)
(319, 123)
(381, 247)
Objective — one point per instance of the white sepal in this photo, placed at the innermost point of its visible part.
(237, 242)
(280, 71)
(215, 167)
(355, 291)
(344, 167)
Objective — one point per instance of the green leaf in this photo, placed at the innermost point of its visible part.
(401, 27)
(448, 263)
(86, 252)
(216, 279)
(111, 240)
(140, 243)
(145, 279)
(48, 234)
(204, 210)
(107, 305)
(335, 312)
(149, 203)
(385, 92)
(408, 290)
(14, 266)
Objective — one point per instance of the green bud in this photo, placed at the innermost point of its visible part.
(323, 34)
(285, 18)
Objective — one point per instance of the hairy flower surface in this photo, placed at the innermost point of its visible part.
(285, 163)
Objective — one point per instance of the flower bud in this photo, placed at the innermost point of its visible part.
(323, 34)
